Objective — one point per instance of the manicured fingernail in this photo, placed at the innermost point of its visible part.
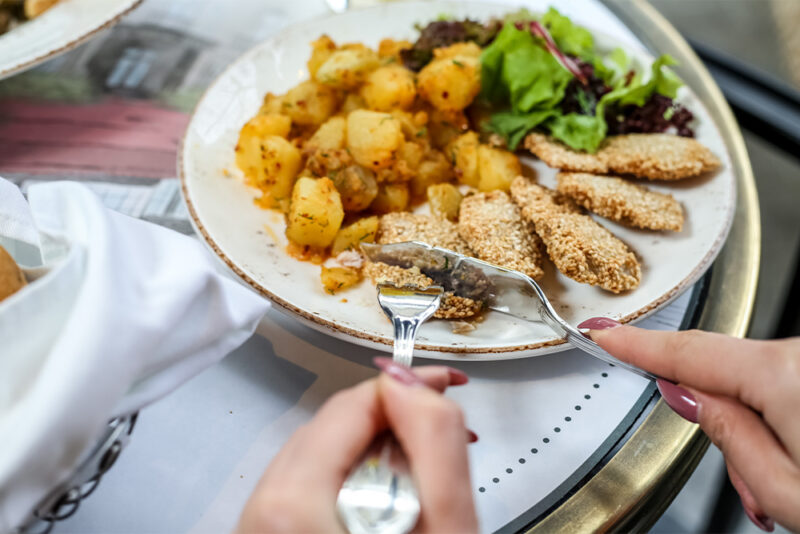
(457, 377)
(472, 437)
(761, 521)
(402, 374)
(679, 400)
(599, 323)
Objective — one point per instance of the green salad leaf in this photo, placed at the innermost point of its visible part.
(527, 83)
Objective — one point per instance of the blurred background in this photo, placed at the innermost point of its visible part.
(760, 35)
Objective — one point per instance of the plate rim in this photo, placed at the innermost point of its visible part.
(25, 65)
(367, 339)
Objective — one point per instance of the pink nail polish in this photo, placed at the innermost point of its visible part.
(472, 437)
(402, 374)
(599, 323)
(761, 521)
(679, 400)
(457, 377)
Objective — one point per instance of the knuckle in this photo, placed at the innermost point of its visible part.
(682, 342)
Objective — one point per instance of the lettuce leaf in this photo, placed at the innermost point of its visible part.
(571, 39)
(662, 80)
(581, 132)
(515, 70)
(514, 126)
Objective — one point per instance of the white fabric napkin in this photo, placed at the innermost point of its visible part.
(120, 313)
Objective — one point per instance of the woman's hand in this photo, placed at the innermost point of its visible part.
(298, 491)
(745, 394)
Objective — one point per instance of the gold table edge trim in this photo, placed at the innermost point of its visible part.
(637, 485)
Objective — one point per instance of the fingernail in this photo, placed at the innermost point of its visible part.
(679, 400)
(472, 437)
(457, 377)
(761, 521)
(401, 373)
(599, 323)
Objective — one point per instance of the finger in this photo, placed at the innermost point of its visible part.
(711, 362)
(753, 451)
(324, 451)
(430, 428)
(749, 503)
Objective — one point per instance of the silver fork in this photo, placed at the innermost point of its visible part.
(379, 496)
(503, 290)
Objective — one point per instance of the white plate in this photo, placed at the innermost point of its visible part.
(59, 29)
(251, 241)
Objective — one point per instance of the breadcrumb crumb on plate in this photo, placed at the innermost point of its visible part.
(622, 201)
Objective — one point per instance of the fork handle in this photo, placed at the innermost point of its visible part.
(405, 331)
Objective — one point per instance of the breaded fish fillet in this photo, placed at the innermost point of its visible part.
(451, 307)
(581, 248)
(399, 227)
(622, 201)
(654, 156)
(494, 229)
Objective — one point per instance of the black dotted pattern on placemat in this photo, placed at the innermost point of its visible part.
(546, 439)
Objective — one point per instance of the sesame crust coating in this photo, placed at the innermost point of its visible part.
(493, 227)
(400, 227)
(451, 307)
(622, 201)
(580, 248)
(653, 156)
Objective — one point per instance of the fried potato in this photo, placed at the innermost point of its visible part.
(34, 8)
(262, 126)
(373, 138)
(11, 277)
(351, 236)
(444, 200)
(493, 227)
(357, 187)
(463, 153)
(330, 136)
(390, 198)
(496, 168)
(450, 83)
(335, 279)
(321, 50)
(389, 87)
(390, 48)
(315, 213)
(622, 201)
(271, 164)
(580, 247)
(433, 169)
(347, 67)
(309, 103)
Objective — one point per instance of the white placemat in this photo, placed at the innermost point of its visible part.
(196, 456)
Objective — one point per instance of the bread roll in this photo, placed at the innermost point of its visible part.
(11, 277)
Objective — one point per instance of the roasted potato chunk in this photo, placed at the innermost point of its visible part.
(433, 169)
(453, 79)
(271, 164)
(309, 103)
(329, 136)
(444, 201)
(352, 102)
(497, 168)
(272, 105)
(347, 67)
(389, 87)
(445, 126)
(349, 237)
(389, 48)
(391, 197)
(335, 279)
(315, 213)
(357, 187)
(463, 152)
(265, 125)
(321, 50)
(373, 138)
